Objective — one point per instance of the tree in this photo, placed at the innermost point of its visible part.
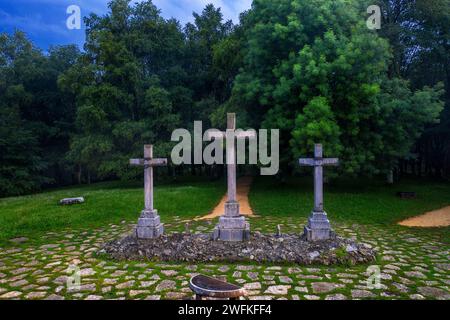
(36, 117)
(124, 96)
(418, 33)
(315, 71)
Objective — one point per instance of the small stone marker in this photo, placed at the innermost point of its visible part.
(232, 226)
(279, 234)
(318, 227)
(149, 224)
(67, 201)
(204, 286)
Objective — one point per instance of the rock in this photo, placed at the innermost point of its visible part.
(93, 297)
(285, 279)
(260, 248)
(87, 272)
(357, 294)
(351, 248)
(146, 284)
(244, 268)
(68, 201)
(19, 240)
(313, 255)
(54, 297)
(301, 289)
(153, 297)
(175, 295)
(35, 295)
(278, 290)
(125, 285)
(165, 285)
(325, 287)
(260, 298)
(436, 293)
(19, 283)
(252, 286)
(337, 296)
(311, 297)
(87, 287)
(134, 293)
(11, 295)
(169, 273)
(415, 274)
(224, 268)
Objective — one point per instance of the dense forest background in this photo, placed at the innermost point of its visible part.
(378, 99)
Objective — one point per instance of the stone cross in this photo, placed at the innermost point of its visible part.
(318, 227)
(232, 226)
(149, 224)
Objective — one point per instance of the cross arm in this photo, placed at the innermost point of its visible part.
(306, 162)
(137, 162)
(157, 162)
(330, 161)
(149, 162)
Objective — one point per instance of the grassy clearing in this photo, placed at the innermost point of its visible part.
(105, 203)
(365, 202)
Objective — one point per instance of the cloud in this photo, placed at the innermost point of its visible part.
(32, 24)
(45, 20)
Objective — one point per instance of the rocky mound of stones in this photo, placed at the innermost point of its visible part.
(291, 248)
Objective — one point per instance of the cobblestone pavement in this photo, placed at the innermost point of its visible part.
(412, 264)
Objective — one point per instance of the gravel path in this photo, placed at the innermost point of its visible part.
(242, 190)
(436, 218)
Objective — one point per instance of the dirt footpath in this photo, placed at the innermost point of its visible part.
(436, 218)
(242, 190)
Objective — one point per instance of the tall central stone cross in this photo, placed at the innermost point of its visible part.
(232, 226)
(318, 227)
(149, 224)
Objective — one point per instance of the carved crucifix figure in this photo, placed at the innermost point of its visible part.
(149, 224)
(232, 226)
(318, 227)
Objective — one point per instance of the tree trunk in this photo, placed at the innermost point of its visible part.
(390, 177)
(78, 174)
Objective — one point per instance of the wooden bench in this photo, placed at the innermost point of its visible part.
(204, 286)
(406, 194)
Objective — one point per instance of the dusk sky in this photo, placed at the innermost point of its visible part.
(44, 21)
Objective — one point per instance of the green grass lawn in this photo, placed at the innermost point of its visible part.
(347, 201)
(106, 203)
(364, 202)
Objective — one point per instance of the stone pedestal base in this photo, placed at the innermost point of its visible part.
(318, 227)
(232, 226)
(149, 225)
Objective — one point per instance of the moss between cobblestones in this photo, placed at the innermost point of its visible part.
(402, 251)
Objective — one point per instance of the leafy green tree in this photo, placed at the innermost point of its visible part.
(315, 71)
(124, 98)
(36, 117)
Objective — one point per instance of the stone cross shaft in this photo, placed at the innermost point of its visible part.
(231, 135)
(232, 226)
(149, 224)
(148, 163)
(318, 227)
(318, 162)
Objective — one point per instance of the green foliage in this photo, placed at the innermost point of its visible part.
(315, 71)
(310, 68)
(316, 123)
(36, 119)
